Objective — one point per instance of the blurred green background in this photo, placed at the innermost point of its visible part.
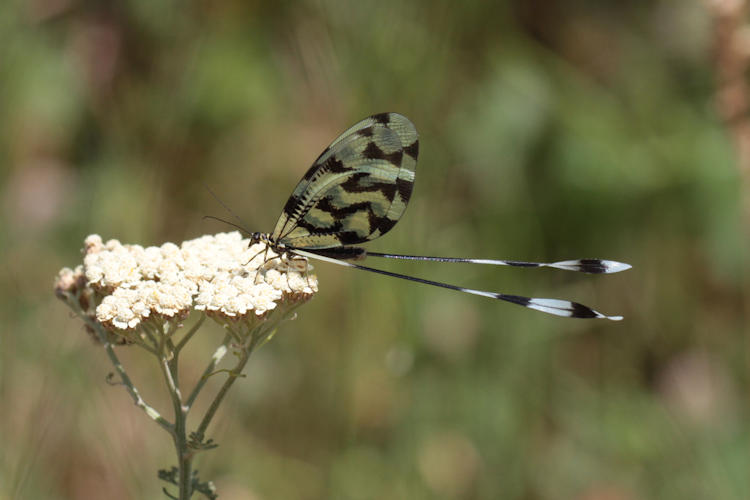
(549, 131)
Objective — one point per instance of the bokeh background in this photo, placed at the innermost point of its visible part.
(549, 130)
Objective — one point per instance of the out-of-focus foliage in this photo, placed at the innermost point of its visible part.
(549, 130)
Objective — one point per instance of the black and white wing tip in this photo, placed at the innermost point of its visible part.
(558, 307)
(591, 266)
(567, 309)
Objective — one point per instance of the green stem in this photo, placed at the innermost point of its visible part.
(215, 360)
(236, 371)
(184, 457)
(169, 364)
(132, 390)
(148, 333)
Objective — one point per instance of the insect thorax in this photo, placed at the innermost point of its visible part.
(264, 238)
(279, 250)
(269, 243)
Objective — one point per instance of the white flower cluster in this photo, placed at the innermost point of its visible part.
(218, 274)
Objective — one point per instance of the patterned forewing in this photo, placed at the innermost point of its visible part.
(356, 190)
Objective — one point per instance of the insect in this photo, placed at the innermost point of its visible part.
(358, 189)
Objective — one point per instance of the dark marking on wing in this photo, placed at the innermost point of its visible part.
(517, 299)
(412, 149)
(291, 204)
(404, 188)
(581, 311)
(353, 185)
(373, 152)
(384, 118)
(366, 132)
(335, 166)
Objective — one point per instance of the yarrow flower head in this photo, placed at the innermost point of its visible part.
(123, 286)
(131, 295)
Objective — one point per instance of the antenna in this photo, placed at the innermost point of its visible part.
(242, 224)
(230, 223)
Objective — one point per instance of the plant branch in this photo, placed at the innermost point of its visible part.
(215, 360)
(152, 413)
(233, 375)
